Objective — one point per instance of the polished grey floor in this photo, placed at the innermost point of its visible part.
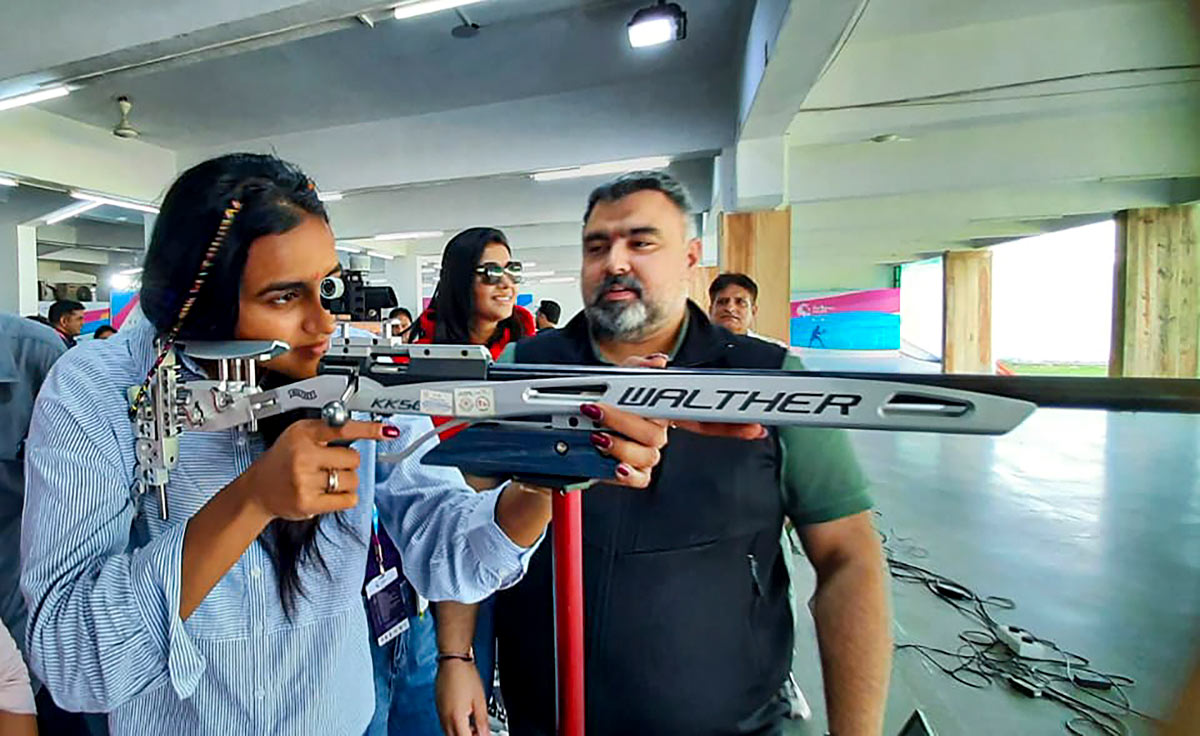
(1089, 521)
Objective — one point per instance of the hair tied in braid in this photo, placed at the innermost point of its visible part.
(210, 257)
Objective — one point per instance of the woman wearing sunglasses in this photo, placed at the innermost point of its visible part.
(474, 303)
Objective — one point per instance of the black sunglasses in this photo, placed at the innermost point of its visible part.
(491, 272)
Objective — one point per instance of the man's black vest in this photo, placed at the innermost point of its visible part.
(688, 627)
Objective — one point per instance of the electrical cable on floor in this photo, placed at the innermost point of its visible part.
(983, 658)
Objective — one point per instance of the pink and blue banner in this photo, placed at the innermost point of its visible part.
(854, 320)
(123, 305)
(94, 317)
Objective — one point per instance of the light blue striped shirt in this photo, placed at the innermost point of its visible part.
(101, 571)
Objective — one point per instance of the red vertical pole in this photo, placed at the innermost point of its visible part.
(568, 609)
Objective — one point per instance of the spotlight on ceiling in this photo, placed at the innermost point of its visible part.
(657, 24)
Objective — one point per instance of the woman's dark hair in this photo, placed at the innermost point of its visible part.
(453, 302)
(275, 197)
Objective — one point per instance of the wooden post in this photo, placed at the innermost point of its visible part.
(1156, 294)
(759, 244)
(702, 277)
(967, 312)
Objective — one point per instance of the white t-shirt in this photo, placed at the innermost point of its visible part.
(16, 696)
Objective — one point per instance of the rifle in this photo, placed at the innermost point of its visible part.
(524, 421)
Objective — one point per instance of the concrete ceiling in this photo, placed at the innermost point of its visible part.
(431, 132)
(525, 49)
(424, 131)
(982, 156)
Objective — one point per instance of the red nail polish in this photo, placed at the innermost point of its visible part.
(593, 412)
(602, 441)
(623, 470)
(391, 432)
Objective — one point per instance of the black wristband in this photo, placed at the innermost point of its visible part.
(444, 656)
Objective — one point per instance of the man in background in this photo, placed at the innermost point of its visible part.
(103, 332)
(401, 320)
(66, 317)
(27, 351)
(733, 304)
(548, 314)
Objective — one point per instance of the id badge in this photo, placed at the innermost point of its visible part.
(387, 609)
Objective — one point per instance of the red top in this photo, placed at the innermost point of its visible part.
(428, 325)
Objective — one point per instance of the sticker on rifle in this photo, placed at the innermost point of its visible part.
(437, 403)
(474, 402)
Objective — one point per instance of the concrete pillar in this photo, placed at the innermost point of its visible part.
(1156, 304)
(759, 244)
(401, 273)
(18, 260)
(967, 312)
(148, 220)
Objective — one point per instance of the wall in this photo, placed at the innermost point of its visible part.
(824, 273)
(50, 147)
(567, 295)
(400, 274)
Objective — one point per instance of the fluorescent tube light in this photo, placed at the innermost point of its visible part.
(30, 98)
(424, 7)
(126, 203)
(415, 235)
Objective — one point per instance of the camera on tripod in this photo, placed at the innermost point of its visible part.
(350, 294)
